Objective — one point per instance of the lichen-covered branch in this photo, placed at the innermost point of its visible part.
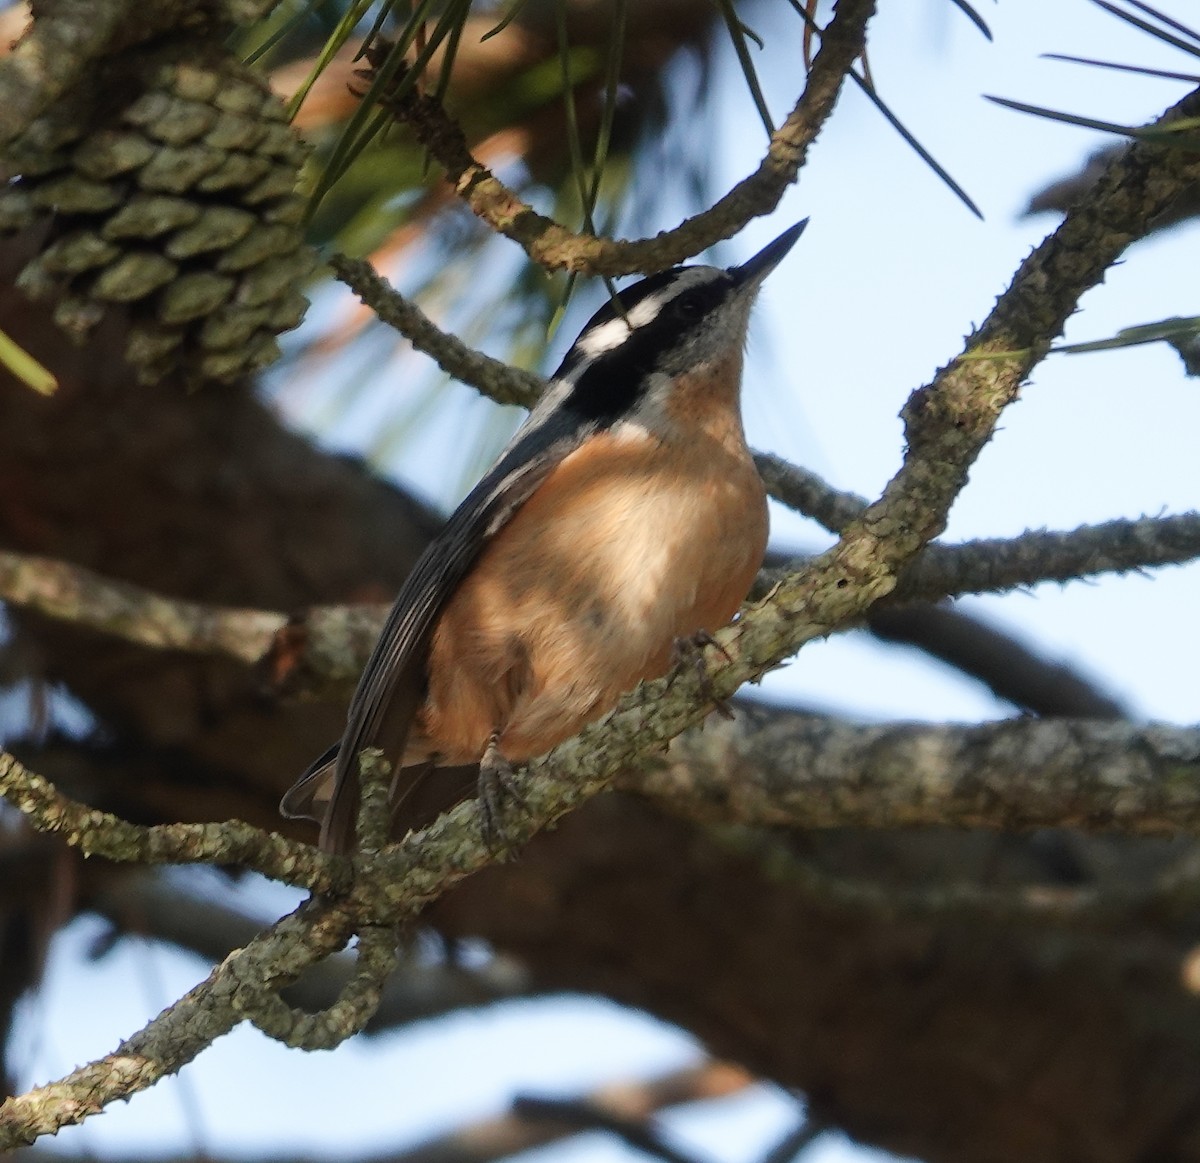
(72, 593)
(803, 490)
(556, 248)
(799, 771)
(330, 1027)
(143, 901)
(184, 1029)
(97, 833)
(995, 564)
(497, 380)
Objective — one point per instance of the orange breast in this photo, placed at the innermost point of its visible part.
(627, 545)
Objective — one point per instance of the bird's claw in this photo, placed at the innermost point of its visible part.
(690, 651)
(497, 788)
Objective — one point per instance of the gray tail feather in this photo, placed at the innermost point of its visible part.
(313, 796)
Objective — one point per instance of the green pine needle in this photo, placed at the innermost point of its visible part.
(27, 369)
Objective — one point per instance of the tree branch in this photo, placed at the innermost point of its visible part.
(947, 424)
(556, 248)
(808, 494)
(991, 565)
(71, 593)
(488, 1140)
(1090, 906)
(184, 1029)
(97, 833)
(774, 768)
(495, 379)
(1010, 669)
(143, 901)
(376, 958)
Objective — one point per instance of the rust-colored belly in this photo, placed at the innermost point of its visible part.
(627, 545)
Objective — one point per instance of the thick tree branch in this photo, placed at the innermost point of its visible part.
(1080, 906)
(782, 769)
(556, 248)
(74, 594)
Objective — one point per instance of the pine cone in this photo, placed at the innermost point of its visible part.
(168, 190)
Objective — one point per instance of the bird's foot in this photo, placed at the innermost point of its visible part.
(689, 652)
(496, 787)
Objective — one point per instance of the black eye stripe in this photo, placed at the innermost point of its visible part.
(608, 383)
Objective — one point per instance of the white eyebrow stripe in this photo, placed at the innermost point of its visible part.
(613, 333)
(609, 336)
(603, 338)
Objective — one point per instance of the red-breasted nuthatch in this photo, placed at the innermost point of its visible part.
(624, 515)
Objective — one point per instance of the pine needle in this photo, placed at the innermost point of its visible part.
(969, 12)
(1178, 328)
(1163, 18)
(1192, 48)
(737, 34)
(1172, 133)
(917, 147)
(25, 368)
(284, 30)
(333, 45)
(367, 120)
(865, 84)
(505, 21)
(1142, 70)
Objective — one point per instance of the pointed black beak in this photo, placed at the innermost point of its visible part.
(762, 264)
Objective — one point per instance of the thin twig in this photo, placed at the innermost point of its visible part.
(184, 1029)
(354, 1008)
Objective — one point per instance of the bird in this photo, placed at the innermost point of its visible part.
(623, 518)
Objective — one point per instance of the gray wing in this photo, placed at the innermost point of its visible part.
(392, 684)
